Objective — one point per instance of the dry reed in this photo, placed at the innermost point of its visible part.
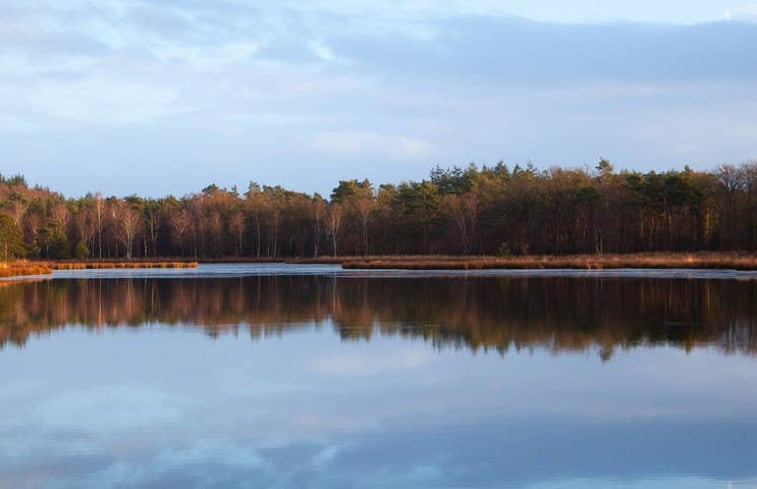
(732, 261)
(25, 267)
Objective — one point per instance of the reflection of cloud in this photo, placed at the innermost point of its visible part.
(23, 450)
(14, 389)
(682, 481)
(325, 456)
(476, 454)
(372, 363)
(111, 409)
(212, 452)
(204, 463)
(471, 428)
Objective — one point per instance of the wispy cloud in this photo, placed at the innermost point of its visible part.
(357, 143)
(746, 11)
(105, 101)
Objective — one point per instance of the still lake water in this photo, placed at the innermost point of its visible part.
(308, 376)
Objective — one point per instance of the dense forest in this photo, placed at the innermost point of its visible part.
(492, 210)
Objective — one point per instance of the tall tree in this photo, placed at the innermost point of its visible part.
(11, 238)
(334, 224)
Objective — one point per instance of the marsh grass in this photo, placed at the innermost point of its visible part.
(21, 268)
(100, 265)
(731, 261)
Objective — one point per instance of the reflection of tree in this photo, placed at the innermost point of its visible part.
(559, 314)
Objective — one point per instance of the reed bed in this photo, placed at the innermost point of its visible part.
(24, 267)
(729, 261)
(100, 265)
(330, 260)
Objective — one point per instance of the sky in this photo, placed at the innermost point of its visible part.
(167, 96)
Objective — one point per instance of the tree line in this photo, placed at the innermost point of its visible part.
(491, 210)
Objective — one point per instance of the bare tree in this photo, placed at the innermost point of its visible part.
(334, 223)
(99, 208)
(364, 206)
(319, 212)
(180, 221)
(464, 212)
(153, 224)
(237, 226)
(85, 226)
(128, 221)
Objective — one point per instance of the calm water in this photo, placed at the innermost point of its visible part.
(296, 377)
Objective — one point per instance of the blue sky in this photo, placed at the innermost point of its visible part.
(158, 97)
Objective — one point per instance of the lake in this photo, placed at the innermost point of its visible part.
(249, 376)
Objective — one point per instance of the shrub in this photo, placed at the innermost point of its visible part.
(81, 251)
(504, 250)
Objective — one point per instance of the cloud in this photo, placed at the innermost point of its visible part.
(324, 52)
(390, 90)
(744, 12)
(355, 143)
(106, 101)
(208, 56)
(12, 123)
(578, 11)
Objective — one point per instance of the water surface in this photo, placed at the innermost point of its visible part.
(279, 376)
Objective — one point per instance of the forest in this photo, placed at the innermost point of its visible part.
(487, 210)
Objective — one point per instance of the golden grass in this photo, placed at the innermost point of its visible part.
(25, 267)
(22, 268)
(99, 265)
(329, 260)
(732, 261)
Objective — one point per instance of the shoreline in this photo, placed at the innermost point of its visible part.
(656, 261)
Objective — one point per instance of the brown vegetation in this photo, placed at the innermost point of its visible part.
(730, 261)
(21, 268)
(97, 265)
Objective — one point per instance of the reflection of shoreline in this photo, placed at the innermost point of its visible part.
(553, 313)
(11, 281)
